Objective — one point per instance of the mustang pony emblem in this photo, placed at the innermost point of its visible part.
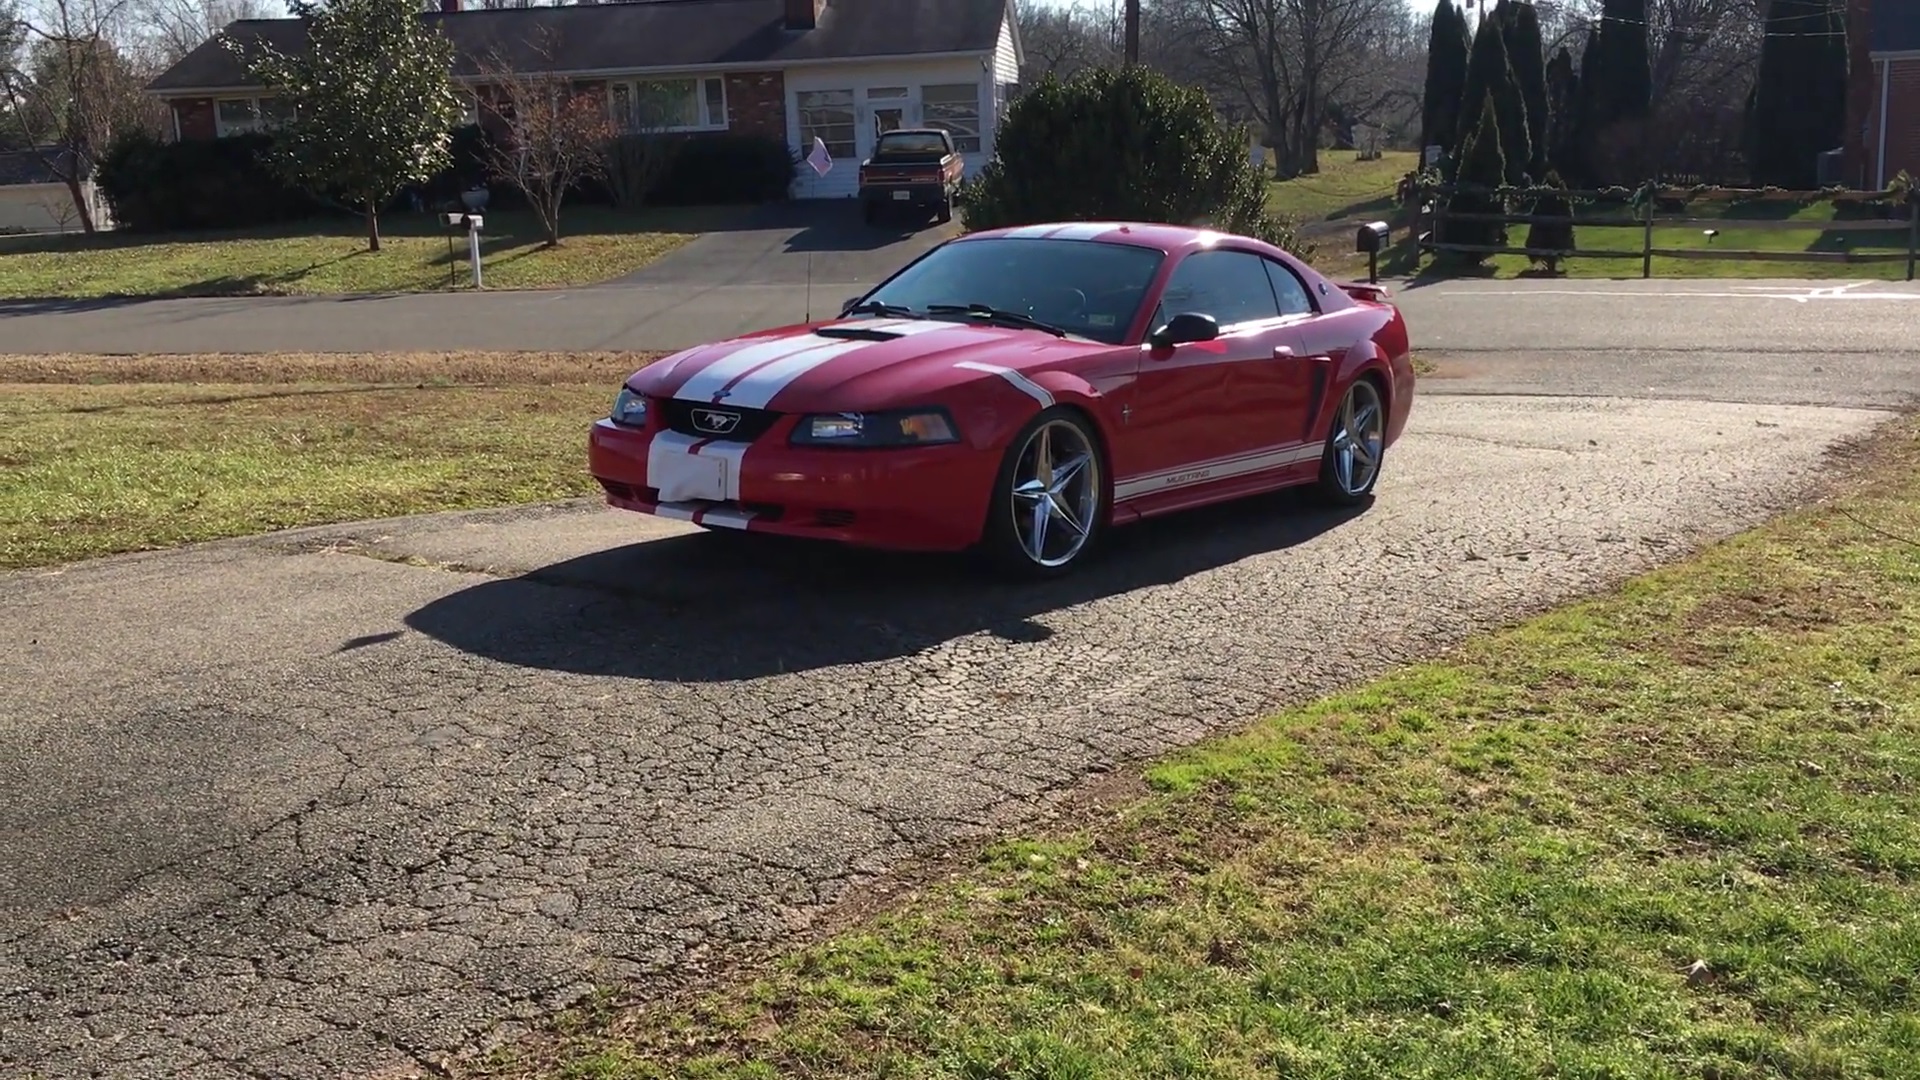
(715, 421)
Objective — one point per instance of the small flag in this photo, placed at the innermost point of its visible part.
(820, 159)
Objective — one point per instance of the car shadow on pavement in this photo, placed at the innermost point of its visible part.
(726, 606)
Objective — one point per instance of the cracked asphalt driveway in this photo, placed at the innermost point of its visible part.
(319, 803)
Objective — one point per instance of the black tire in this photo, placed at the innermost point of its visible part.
(944, 213)
(1331, 487)
(1003, 542)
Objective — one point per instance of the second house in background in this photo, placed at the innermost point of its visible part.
(841, 70)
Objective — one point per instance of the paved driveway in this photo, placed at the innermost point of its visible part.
(314, 803)
(723, 283)
(786, 243)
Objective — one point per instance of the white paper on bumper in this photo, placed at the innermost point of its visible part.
(681, 475)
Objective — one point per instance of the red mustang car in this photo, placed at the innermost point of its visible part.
(1020, 390)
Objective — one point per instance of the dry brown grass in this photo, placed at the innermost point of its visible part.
(459, 368)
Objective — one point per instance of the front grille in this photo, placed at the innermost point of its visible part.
(696, 419)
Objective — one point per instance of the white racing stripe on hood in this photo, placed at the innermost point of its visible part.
(764, 384)
(710, 380)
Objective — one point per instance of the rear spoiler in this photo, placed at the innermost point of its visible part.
(1365, 293)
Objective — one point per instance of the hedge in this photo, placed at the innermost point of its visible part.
(225, 183)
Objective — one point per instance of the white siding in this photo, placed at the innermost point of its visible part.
(1006, 61)
(843, 180)
(36, 208)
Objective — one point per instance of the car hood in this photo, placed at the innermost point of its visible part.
(850, 365)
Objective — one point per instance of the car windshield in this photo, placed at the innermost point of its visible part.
(1088, 288)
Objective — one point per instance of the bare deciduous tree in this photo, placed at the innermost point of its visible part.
(1294, 62)
(551, 133)
(177, 27)
(70, 87)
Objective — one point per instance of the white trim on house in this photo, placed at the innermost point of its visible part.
(1892, 54)
(1880, 156)
(585, 74)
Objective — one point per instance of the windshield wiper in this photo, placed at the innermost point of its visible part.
(875, 307)
(993, 314)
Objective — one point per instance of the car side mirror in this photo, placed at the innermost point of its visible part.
(1184, 327)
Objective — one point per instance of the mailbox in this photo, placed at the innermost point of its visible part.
(1370, 241)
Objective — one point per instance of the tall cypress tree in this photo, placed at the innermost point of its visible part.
(1527, 56)
(1626, 66)
(1588, 116)
(1490, 82)
(1481, 166)
(1447, 46)
(1798, 106)
(1563, 101)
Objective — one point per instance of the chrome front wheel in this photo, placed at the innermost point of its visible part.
(1050, 504)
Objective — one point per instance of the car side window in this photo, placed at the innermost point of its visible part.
(1289, 289)
(1231, 286)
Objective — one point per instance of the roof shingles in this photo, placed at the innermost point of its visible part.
(646, 34)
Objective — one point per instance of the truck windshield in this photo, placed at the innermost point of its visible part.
(1088, 288)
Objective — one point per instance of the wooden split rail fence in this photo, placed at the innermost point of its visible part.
(1431, 214)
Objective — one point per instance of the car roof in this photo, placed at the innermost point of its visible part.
(1159, 235)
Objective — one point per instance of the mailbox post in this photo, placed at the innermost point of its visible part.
(1370, 241)
(473, 223)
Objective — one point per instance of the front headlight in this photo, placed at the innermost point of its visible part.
(629, 409)
(900, 427)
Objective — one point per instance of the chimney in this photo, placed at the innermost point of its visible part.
(449, 7)
(804, 14)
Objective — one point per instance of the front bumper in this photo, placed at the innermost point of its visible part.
(911, 499)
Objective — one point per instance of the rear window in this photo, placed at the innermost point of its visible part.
(911, 144)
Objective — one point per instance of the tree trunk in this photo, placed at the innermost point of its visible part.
(552, 223)
(81, 206)
(373, 226)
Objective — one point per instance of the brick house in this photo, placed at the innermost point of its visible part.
(842, 70)
(1883, 103)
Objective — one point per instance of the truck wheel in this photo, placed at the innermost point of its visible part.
(945, 213)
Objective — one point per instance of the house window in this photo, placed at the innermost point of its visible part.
(827, 115)
(957, 109)
(238, 116)
(670, 104)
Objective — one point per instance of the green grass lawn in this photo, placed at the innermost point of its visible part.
(1664, 833)
(1344, 189)
(105, 455)
(1740, 226)
(329, 256)
(1327, 206)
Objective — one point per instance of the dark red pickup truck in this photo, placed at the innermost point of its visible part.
(911, 167)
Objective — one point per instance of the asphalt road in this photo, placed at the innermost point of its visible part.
(311, 804)
(1670, 336)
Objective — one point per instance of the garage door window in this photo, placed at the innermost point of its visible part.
(955, 108)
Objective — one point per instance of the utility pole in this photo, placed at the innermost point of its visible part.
(1133, 31)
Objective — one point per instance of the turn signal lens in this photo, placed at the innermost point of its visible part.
(926, 427)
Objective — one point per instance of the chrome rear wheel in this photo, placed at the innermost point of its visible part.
(1356, 447)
